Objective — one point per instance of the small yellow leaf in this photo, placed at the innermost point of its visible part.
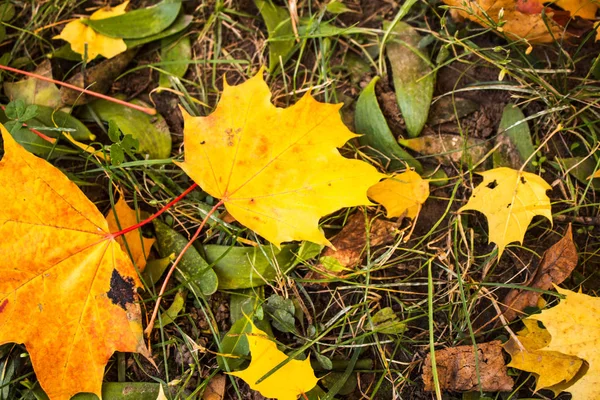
(79, 35)
(574, 325)
(404, 192)
(509, 199)
(288, 382)
(161, 394)
(277, 170)
(550, 367)
(139, 246)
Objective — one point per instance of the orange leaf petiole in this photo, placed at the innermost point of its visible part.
(147, 110)
(170, 204)
(163, 288)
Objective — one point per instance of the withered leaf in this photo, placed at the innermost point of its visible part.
(556, 265)
(457, 370)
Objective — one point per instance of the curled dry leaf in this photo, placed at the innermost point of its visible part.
(67, 290)
(288, 382)
(138, 245)
(82, 37)
(550, 367)
(509, 199)
(556, 265)
(349, 245)
(459, 371)
(403, 193)
(276, 170)
(575, 330)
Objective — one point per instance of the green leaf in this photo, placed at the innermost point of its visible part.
(244, 302)
(178, 304)
(513, 140)
(337, 7)
(412, 75)
(51, 118)
(234, 346)
(281, 33)
(178, 52)
(386, 321)
(117, 155)
(151, 131)
(245, 267)
(154, 269)
(323, 361)
(193, 271)
(15, 109)
(124, 391)
(370, 122)
(182, 22)
(139, 23)
(35, 91)
(7, 11)
(114, 134)
(581, 169)
(35, 144)
(281, 311)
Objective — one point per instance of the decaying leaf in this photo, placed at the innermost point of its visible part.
(550, 367)
(518, 22)
(403, 193)
(85, 39)
(574, 325)
(67, 291)
(215, 389)
(449, 149)
(509, 199)
(35, 91)
(276, 170)
(513, 144)
(458, 371)
(98, 78)
(350, 244)
(288, 382)
(138, 245)
(556, 265)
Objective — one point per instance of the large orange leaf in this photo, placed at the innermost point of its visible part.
(67, 290)
(278, 171)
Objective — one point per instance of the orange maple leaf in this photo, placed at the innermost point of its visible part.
(278, 171)
(67, 290)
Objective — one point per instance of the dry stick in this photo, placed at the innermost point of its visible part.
(147, 110)
(163, 288)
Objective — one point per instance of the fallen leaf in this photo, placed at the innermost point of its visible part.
(349, 245)
(67, 290)
(138, 245)
(520, 21)
(288, 382)
(550, 367)
(449, 149)
(276, 170)
(403, 193)
(35, 91)
(513, 143)
(99, 78)
(458, 371)
(82, 37)
(161, 394)
(509, 199)
(387, 321)
(574, 325)
(556, 265)
(215, 389)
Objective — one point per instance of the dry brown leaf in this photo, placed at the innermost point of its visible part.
(521, 19)
(215, 389)
(349, 245)
(556, 265)
(457, 369)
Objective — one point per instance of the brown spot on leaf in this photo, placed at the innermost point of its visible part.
(122, 290)
(3, 305)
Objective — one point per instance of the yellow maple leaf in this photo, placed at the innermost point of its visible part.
(405, 192)
(574, 325)
(509, 199)
(288, 382)
(276, 170)
(67, 290)
(550, 367)
(79, 35)
(139, 246)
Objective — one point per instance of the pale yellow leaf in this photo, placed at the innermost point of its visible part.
(288, 382)
(574, 325)
(509, 199)
(405, 192)
(550, 367)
